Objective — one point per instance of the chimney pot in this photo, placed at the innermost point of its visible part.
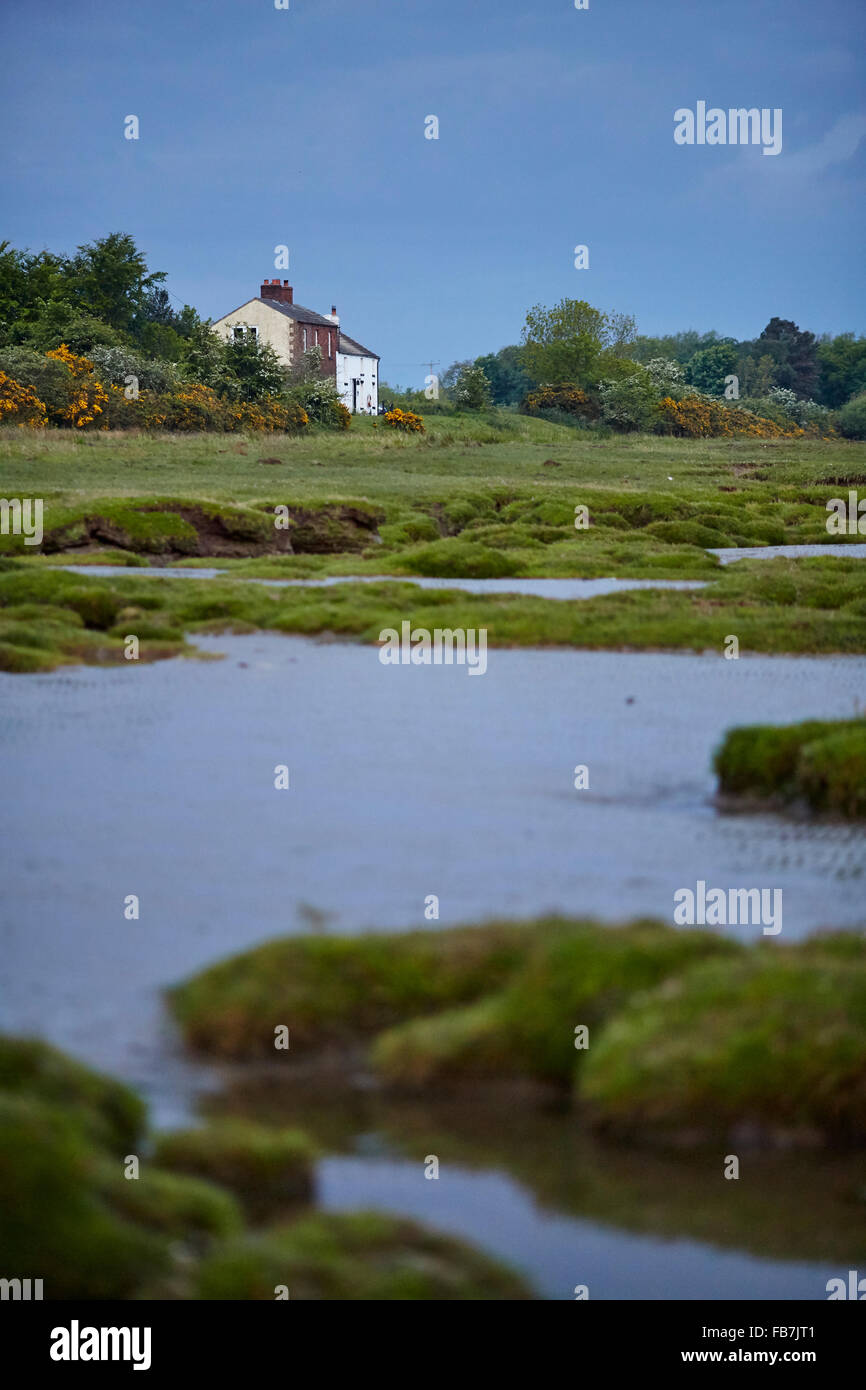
(272, 289)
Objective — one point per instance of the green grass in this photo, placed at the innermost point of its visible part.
(55, 1223)
(72, 1215)
(182, 1207)
(690, 1035)
(50, 618)
(330, 990)
(575, 974)
(458, 453)
(772, 1041)
(652, 501)
(361, 1256)
(821, 763)
(264, 1167)
(109, 1113)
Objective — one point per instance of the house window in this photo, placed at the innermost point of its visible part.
(252, 332)
(330, 347)
(238, 334)
(304, 335)
(240, 331)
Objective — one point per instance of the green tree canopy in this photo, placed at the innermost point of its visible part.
(842, 365)
(509, 379)
(709, 367)
(795, 354)
(109, 278)
(570, 341)
(472, 389)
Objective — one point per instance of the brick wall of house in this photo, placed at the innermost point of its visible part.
(304, 334)
(316, 333)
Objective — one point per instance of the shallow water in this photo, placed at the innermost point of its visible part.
(851, 550)
(556, 1251)
(538, 588)
(405, 781)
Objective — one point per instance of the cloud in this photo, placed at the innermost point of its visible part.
(838, 144)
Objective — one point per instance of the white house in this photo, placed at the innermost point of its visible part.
(357, 377)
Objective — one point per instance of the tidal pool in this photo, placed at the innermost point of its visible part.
(536, 588)
(405, 781)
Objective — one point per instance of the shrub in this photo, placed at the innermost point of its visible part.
(319, 398)
(628, 404)
(270, 414)
(405, 420)
(852, 418)
(667, 377)
(563, 398)
(19, 405)
(87, 397)
(472, 389)
(114, 364)
(63, 382)
(191, 407)
(699, 417)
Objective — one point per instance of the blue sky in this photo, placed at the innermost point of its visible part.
(305, 127)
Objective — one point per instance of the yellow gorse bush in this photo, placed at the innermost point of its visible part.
(193, 407)
(404, 420)
(569, 399)
(695, 417)
(20, 405)
(88, 397)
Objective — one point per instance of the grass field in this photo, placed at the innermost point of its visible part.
(490, 496)
(457, 456)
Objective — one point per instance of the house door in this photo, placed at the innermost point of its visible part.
(355, 386)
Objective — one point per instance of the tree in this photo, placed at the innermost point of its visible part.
(60, 322)
(448, 379)
(109, 278)
(756, 375)
(795, 354)
(708, 368)
(204, 358)
(678, 347)
(570, 341)
(509, 380)
(27, 283)
(628, 404)
(472, 389)
(255, 369)
(156, 308)
(842, 365)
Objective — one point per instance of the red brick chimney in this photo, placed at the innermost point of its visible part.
(272, 289)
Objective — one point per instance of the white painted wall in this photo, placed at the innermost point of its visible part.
(366, 371)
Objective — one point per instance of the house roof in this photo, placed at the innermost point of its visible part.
(296, 311)
(353, 349)
(291, 311)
